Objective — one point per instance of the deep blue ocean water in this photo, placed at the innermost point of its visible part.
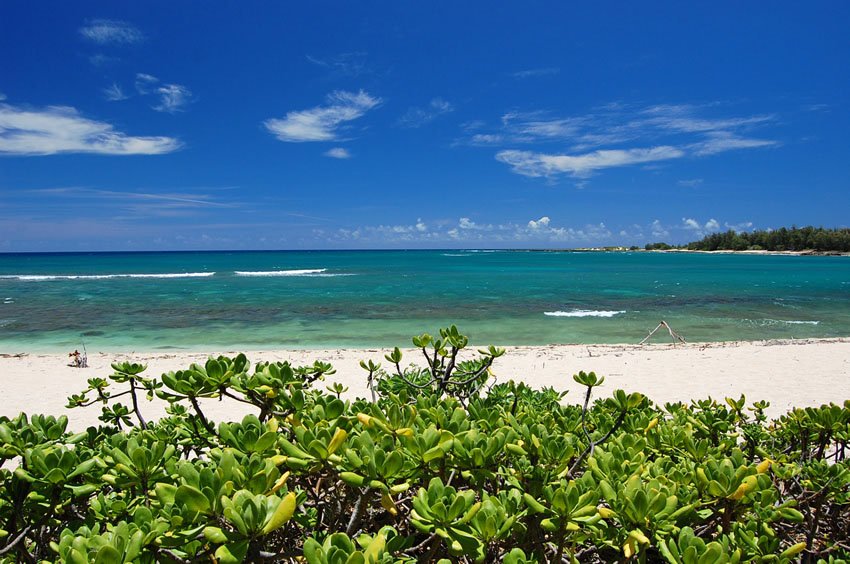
(316, 299)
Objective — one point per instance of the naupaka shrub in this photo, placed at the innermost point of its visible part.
(441, 463)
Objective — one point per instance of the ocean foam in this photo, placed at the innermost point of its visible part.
(783, 322)
(304, 272)
(44, 277)
(582, 313)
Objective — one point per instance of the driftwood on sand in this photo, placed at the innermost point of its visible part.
(673, 335)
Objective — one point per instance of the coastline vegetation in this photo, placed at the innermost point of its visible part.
(795, 239)
(440, 464)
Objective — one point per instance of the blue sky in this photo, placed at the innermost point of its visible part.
(272, 125)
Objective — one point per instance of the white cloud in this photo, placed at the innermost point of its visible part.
(720, 141)
(104, 31)
(322, 122)
(658, 230)
(172, 98)
(690, 223)
(486, 139)
(100, 60)
(533, 164)
(672, 131)
(417, 117)
(620, 123)
(114, 93)
(682, 118)
(2, 96)
(532, 73)
(145, 83)
(540, 232)
(532, 126)
(61, 129)
(690, 183)
(344, 64)
(743, 226)
(473, 125)
(338, 153)
(537, 224)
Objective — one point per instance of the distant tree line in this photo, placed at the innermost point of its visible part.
(784, 239)
(794, 239)
(658, 247)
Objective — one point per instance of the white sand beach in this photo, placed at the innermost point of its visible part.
(788, 374)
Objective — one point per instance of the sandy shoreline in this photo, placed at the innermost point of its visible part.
(797, 373)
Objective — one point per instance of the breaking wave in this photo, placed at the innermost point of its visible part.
(314, 272)
(46, 277)
(583, 313)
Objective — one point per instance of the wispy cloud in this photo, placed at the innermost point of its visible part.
(145, 83)
(344, 64)
(721, 141)
(126, 205)
(417, 116)
(188, 198)
(114, 93)
(173, 98)
(533, 73)
(338, 153)
(682, 118)
(532, 126)
(816, 108)
(621, 135)
(528, 163)
(101, 60)
(62, 129)
(486, 139)
(322, 123)
(691, 182)
(104, 31)
(2, 96)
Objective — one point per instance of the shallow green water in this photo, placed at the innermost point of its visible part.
(147, 301)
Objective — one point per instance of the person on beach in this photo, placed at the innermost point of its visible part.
(76, 359)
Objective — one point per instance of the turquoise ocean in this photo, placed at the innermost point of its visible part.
(320, 299)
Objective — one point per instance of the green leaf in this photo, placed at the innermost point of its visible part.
(232, 553)
(192, 498)
(265, 441)
(373, 553)
(108, 554)
(215, 535)
(165, 493)
(433, 454)
(313, 552)
(352, 479)
(534, 505)
(84, 490)
(282, 514)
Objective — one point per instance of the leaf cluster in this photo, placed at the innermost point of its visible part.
(443, 470)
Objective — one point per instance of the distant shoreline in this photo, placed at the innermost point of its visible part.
(617, 249)
(804, 253)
